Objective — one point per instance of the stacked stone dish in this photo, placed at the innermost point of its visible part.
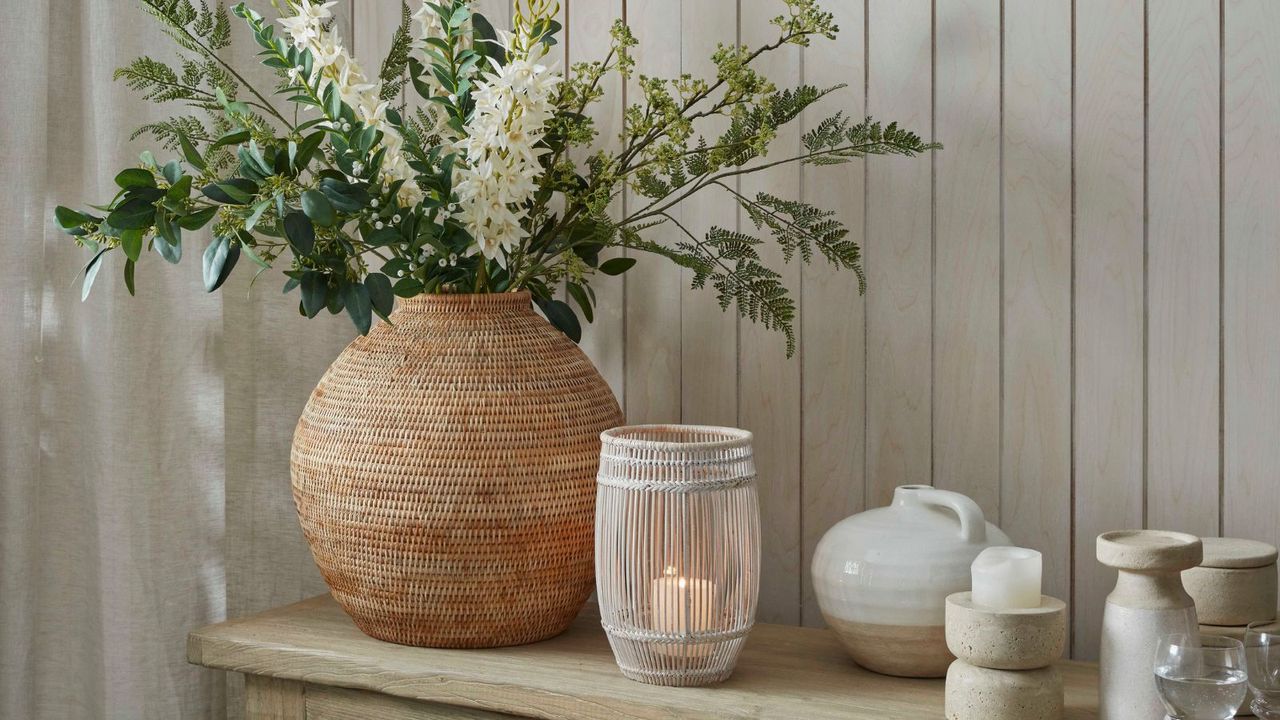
(1004, 668)
(1234, 585)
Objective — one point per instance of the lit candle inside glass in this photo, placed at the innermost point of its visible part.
(682, 606)
(1007, 578)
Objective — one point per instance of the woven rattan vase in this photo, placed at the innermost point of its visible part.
(444, 471)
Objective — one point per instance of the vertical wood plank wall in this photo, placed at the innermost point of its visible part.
(1074, 310)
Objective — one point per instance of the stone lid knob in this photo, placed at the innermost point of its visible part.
(1149, 550)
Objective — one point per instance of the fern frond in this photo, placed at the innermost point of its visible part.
(394, 73)
(839, 140)
(158, 82)
(166, 133)
(729, 262)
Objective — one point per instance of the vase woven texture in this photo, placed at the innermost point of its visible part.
(444, 474)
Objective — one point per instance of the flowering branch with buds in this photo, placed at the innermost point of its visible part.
(470, 186)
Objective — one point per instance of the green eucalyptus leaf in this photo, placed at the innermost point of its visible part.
(172, 170)
(257, 260)
(231, 138)
(190, 153)
(380, 294)
(170, 250)
(307, 149)
(344, 196)
(256, 214)
(197, 219)
(333, 300)
(90, 273)
(135, 177)
(617, 266)
(318, 208)
(355, 297)
(69, 219)
(131, 243)
(144, 193)
(562, 316)
(314, 289)
(235, 191)
(300, 232)
(128, 275)
(408, 287)
(134, 213)
(580, 296)
(219, 259)
(180, 190)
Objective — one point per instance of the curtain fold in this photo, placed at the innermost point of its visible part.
(144, 485)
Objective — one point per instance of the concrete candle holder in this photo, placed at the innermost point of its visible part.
(1004, 669)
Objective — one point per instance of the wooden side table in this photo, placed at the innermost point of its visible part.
(307, 661)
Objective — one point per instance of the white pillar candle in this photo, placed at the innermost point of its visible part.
(682, 605)
(1007, 578)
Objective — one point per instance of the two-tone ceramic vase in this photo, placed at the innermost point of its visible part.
(882, 577)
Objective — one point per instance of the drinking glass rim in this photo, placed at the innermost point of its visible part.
(1262, 633)
(1201, 641)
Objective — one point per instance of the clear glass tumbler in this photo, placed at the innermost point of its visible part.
(1200, 677)
(1262, 654)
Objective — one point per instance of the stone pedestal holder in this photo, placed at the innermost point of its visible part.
(1004, 668)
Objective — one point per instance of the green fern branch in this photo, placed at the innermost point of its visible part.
(394, 73)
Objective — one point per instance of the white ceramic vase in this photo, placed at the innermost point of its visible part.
(882, 577)
(1148, 601)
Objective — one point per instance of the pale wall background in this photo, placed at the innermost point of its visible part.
(1074, 317)
(1074, 310)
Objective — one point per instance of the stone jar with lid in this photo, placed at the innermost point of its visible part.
(1148, 602)
(1235, 583)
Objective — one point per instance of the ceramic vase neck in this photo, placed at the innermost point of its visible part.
(1153, 590)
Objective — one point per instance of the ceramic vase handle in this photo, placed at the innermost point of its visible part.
(973, 525)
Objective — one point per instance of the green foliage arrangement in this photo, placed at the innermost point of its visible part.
(469, 184)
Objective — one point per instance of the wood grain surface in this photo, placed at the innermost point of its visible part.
(784, 672)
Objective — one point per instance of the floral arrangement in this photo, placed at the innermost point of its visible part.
(453, 167)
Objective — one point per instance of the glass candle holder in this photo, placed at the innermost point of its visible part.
(677, 550)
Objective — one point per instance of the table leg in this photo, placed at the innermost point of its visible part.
(267, 698)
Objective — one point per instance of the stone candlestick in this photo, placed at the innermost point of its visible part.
(1148, 602)
(1004, 668)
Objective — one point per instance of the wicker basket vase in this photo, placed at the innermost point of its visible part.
(444, 471)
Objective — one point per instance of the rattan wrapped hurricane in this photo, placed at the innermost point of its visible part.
(444, 473)
(677, 550)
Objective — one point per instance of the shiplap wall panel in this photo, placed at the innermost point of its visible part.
(1251, 304)
(1035, 504)
(832, 325)
(709, 336)
(586, 39)
(1109, 322)
(652, 319)
(769, 403)
(966, 285)
(1182, 265)
(1089, 308)
(899, 252)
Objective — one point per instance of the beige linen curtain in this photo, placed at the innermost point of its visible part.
(144, 441)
